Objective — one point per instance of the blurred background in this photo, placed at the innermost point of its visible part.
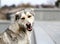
(11, 6)
(47, 18)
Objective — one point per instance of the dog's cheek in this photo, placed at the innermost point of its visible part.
(31, 20)
(21, 21)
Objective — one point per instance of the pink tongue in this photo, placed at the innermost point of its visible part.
(30, 28)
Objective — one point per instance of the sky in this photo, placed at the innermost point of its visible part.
(33, 2)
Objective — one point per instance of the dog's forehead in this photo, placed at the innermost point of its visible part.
(24, 12)
(28, 13)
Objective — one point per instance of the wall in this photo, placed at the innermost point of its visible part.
(47, 14)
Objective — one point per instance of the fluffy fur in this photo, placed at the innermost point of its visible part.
(20, 31)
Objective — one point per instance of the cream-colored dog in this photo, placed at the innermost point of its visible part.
(20, 31)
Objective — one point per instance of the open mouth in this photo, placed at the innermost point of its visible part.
(29, 27)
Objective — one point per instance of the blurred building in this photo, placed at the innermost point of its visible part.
(57, 3)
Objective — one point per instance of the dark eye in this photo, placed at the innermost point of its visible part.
(23, 18)
(29, 16)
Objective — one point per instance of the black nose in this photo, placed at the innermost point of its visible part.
(28, 24)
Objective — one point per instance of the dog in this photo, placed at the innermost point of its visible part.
(20, 31)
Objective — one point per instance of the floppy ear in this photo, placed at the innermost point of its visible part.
(17, 17)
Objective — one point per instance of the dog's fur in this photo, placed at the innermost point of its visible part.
(20, 31)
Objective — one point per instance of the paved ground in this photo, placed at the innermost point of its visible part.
(47, 32)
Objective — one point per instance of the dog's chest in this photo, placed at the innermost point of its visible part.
(26, 40)
(16, 40)
(23, 41)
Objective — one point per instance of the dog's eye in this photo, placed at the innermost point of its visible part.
(23, 18)
(29, 16)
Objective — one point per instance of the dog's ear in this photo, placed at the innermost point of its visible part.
(32, 11)
(17, 17)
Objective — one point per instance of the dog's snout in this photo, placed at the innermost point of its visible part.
(28, 24)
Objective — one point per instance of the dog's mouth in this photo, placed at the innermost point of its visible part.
(29, 27)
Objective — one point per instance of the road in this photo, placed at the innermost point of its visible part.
(47, 32)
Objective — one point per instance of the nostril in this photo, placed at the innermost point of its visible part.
(28, 24)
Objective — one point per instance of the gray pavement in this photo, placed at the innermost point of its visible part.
(47, 32)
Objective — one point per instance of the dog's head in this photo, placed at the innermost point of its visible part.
(26, 18)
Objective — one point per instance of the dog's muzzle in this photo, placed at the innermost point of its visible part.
(29, 27)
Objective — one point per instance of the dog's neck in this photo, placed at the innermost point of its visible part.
(29, 36)
(15, 36)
